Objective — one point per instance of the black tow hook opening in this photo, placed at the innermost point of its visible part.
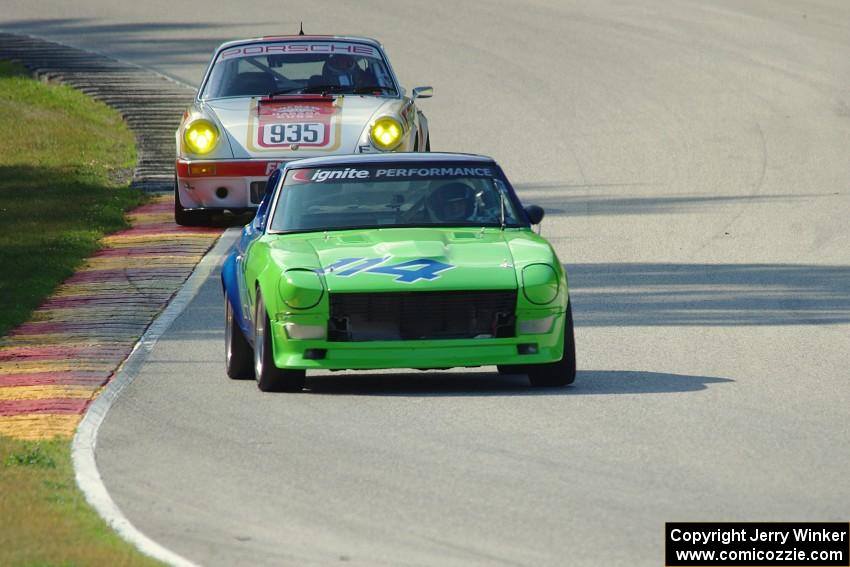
(527, 348)
(315, 353)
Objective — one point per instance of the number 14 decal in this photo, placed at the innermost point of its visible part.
(404, 272)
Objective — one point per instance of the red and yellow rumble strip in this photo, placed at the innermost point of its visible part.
(52, 367)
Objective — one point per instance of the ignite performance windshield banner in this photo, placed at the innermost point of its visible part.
(761, 544)
(382, 173)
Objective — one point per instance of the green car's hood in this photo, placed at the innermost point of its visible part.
(399, 259)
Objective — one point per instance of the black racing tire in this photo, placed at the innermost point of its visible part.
(269, 377)
(238, 354)
(563, 372)
(185, 217)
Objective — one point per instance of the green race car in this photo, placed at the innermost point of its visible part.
(401, 260)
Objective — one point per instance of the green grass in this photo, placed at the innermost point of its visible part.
(65, 162)
(65, 165)
(44, 519)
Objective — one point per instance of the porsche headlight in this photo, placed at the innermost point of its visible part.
(386, 133)
(200, 136)
(540, 283)
(301, 289)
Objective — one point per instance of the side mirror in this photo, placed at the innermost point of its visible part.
(423, 92)
(534, 214)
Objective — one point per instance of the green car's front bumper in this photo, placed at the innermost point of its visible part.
(422, 354)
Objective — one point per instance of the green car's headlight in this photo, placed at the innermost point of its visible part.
(386, 133)
(301, 289)
(200, 136)
(540, 283)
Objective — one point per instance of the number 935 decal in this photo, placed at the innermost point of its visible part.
(293, 133)
(404, 272)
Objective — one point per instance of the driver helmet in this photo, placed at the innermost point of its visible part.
(341, 67)
(453, 201)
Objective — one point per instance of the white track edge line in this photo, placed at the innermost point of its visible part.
(85, 439)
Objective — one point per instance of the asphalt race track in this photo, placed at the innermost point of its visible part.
(692, 158)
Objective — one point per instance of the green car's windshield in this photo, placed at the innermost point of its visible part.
(421, 195)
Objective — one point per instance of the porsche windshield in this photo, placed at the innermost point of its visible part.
(395, 195)
(299, 67)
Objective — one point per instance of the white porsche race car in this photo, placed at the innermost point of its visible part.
(270, 100)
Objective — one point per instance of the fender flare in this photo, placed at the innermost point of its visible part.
(423, 130)
(230, 286)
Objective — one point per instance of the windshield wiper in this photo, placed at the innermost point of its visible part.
(285, 91)
(315, 89)
(342, 89)
(322, 89)
(371, 88)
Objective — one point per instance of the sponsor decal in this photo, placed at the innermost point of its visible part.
(282, 125)
(295, 112)
(322, 175)
(301, 176)
(436, 172)
(409, 271)
(298, 47)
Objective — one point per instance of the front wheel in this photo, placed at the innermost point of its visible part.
(559, 373)
(239, 357)
(270, 378)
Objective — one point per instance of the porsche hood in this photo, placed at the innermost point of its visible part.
(299, 126)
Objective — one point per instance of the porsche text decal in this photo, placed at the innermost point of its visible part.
(299, 47)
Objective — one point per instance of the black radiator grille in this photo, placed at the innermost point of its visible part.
(421, 315)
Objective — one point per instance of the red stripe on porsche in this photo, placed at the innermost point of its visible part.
(252, 168)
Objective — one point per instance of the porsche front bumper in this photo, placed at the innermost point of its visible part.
(223, 184)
